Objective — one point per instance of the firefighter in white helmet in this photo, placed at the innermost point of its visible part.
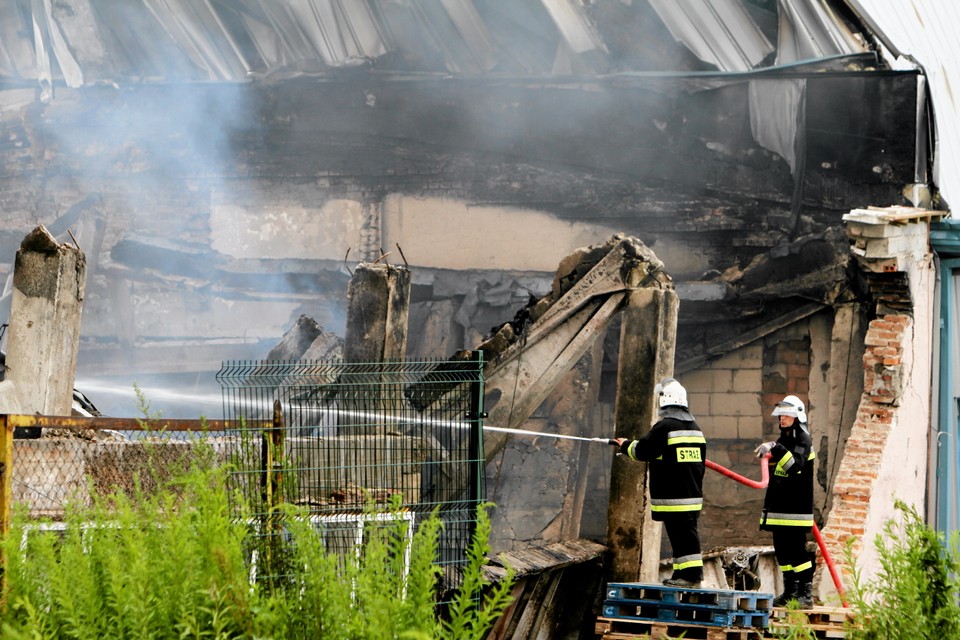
(676, 450)
(788, 506)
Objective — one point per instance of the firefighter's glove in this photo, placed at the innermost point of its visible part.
(764, 449)
(620, 443)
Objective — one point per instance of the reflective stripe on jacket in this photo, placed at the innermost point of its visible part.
(676, 450)
(789, 498)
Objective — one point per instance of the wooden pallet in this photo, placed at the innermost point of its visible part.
(621, 629)
(724, 608)
(685, 614)
(724, 599)
(824, 622)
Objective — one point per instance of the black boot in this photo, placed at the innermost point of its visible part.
(805, 589)
(685, 579)
(789, 589)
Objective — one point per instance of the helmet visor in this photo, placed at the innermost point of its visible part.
(786, 409)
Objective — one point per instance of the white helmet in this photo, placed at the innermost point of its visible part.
(671, 393)
(791, 406)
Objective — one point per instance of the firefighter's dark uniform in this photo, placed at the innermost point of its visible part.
(788, 506)
(676, 450)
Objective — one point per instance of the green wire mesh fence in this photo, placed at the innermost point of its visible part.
(354, 446)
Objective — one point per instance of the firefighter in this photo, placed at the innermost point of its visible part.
(676, 451)
(788, 505)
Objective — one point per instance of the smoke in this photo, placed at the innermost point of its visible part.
(211, 183)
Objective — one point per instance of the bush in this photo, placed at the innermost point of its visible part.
(173, 564)
(914, 596)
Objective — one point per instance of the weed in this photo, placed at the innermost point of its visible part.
(171, 562)
(914, 595)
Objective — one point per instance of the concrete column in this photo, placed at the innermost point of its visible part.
(838, 392)
(378, 310)
(44, 333)
(647, 346)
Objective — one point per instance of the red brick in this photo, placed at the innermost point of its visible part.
(798, 371)
(885, 351)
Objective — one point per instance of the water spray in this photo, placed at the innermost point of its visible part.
(525, 432)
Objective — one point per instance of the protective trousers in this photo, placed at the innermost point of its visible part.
(790, 547)
(685, 543)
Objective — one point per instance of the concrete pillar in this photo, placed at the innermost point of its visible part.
(44, 333)
(835, 393)
(378, 309)
(647, 345)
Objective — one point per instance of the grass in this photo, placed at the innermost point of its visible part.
(172, 563)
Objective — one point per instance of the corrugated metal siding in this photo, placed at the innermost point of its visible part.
(89, 41)
(811, 30)
(720, 32)
(927, 31)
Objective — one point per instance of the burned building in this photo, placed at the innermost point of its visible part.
(224, 166)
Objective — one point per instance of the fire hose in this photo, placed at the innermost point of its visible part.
(762, 484)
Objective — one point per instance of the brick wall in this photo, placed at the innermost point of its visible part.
(786, 372)
(724, 397)
(864, 452)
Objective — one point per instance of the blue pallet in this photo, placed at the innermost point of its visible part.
(659, 612)
(723, 599)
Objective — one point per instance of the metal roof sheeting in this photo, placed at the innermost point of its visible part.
(719, 32)
(84, 41)
(810, 30)
(92, 41)
(722, 33)
(16, 52)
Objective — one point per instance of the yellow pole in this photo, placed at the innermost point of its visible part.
(6, 474)
(6, 496)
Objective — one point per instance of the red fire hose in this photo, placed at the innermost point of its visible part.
(764, 474)
(764, 481)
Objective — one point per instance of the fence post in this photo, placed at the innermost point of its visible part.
(6, 496)
(475, 452)
(6, 474)
(273, 452)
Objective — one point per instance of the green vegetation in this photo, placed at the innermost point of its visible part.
(172, 563)
(915, 594)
